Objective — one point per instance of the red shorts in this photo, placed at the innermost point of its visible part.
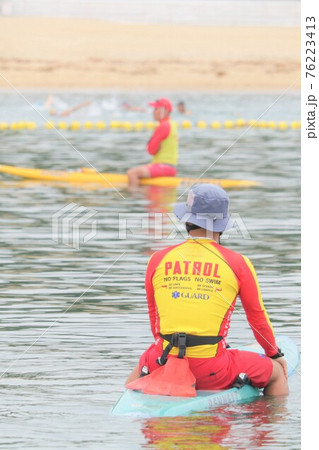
(221, 371)
(161, 170)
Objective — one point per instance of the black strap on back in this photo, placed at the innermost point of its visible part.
(183, 340)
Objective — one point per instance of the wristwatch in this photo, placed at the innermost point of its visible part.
(279, 354)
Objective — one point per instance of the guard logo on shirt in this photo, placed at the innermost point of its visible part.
(190, 295)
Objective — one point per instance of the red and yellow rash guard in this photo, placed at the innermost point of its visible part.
(163, 145)
(192, 287)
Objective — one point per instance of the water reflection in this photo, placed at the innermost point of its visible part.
(234, 427)
(161, 199)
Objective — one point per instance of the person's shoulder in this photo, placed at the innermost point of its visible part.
(226, 250)
(165, 124)
(166, 250)
(163, 129)
(231, 255)
(160, 254)
(238, 261)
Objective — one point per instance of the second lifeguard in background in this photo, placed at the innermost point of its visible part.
(163, 146)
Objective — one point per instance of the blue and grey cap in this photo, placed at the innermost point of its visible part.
(206, 207)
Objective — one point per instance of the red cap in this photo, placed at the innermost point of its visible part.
(162, 102)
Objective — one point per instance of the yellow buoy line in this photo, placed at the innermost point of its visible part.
(140, 126)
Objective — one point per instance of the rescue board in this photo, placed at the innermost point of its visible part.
(115, 179)
(144, 405)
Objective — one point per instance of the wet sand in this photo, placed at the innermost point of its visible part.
(79, 53)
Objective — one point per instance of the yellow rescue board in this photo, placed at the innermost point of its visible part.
(115, 179)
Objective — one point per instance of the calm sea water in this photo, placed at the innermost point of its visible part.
(74, 320)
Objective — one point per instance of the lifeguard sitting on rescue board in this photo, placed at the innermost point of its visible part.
(191, 290)
(163, 146)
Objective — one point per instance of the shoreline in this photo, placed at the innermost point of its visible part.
(96, 90)
(94, 54)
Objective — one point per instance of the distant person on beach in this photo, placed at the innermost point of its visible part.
(181, 108)
(163, 146)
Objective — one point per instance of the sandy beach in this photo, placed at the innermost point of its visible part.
(79, 53)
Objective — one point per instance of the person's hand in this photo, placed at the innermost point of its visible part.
(283, 364)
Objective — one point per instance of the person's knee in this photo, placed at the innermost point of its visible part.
(139, 171)
(133, 375)
(277, 371)
(277, 384)
(131, 172)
